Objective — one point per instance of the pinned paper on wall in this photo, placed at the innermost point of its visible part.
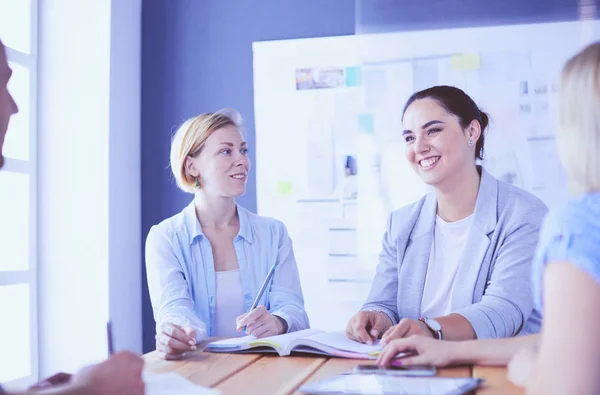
(466, 62)
(353, 76)
(284, 188)
(366, 124)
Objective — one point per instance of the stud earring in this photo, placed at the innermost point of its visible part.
(197, 184)
(470, 142)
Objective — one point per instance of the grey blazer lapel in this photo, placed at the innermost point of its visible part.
(413, 268)
(478, 243)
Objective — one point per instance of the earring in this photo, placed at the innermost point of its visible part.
(470, 142)
(197, 184)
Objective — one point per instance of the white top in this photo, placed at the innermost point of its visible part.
(449, 239)
(229, 303)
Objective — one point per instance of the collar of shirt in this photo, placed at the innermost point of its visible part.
(194, 229)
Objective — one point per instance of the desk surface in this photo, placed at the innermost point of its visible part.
(266, 374)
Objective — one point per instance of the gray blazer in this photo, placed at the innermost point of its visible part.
(493, 288)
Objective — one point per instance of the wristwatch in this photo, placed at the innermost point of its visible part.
(433, 326)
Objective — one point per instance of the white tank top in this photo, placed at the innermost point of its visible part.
(229, 303)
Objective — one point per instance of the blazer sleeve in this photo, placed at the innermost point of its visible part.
(384, 288)
(508, 299)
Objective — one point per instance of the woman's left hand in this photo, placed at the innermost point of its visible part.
(520, 367)
(260, 323)
(405, 328)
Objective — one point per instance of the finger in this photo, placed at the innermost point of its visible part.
(397, 332)
(170, 350)
(391, 351)
(238, 320)
(176, 332)
(191, 333)
(252, 316)
(254, 328)
(167, 340)
(420, 359)
(263, 331)
(360, 330)
(168, 357)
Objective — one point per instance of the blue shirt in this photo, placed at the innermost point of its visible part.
(181, 275)
(570, 234)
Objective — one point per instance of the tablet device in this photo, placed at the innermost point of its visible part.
(374, 384)
(416, 370)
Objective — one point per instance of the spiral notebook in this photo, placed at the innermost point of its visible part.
(312, 341)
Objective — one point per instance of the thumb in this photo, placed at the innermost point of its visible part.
(191, 332)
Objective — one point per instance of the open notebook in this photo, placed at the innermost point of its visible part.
(311, 341)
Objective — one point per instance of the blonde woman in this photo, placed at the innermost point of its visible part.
(206, 264)
(565, 357)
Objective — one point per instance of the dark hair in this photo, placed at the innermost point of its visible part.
(458, 103)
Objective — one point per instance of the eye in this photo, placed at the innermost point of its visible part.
(226, 151)
(408, 139)
(434, 130)
(244, 151)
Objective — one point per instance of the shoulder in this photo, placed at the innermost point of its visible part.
(519, 206)
(572, 233)
(580, 217)
(262, 224)
(171, 228)
(407, 215)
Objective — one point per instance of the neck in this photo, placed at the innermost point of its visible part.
(217, 212)
(458, 196)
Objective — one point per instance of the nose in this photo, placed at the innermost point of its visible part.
(13, 106)
(241, 160)
(420, 145)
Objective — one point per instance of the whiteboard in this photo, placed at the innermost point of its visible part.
(321, 101)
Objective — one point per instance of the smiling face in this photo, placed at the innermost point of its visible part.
(222, 165)
(437, 147)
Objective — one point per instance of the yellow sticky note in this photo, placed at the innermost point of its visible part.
(284, 188)
(466, 62)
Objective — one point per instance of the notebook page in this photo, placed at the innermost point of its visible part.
(283, 341)
(340, 341)
(232, 343)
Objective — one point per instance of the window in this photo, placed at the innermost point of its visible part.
(18, 213)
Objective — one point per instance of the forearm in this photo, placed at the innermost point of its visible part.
(456, 327)
(491, 352)
(69, 389)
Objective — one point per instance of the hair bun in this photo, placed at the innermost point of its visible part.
(485, 120)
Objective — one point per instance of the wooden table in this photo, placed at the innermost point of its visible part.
(267, 374)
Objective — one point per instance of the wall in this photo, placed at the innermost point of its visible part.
(197, 57)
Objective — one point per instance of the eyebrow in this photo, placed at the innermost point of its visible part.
(428, 124)
(231, 144)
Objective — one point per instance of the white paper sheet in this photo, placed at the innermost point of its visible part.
(172, 383)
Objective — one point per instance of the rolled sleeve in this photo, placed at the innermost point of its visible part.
(508, 302)
(168, 288)
(285, 295)
(384, 288)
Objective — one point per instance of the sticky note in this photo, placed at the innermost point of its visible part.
(365, 123)
(466, 62)
(284, 188)
(353, 76)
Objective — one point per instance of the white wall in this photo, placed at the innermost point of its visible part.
(88, 172)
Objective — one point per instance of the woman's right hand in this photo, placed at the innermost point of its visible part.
(367, 326)
(173, 340)
(429, 352)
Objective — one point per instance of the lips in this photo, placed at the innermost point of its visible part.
(429, 162)
(238, 176)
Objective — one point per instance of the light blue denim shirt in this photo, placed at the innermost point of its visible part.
(570, 234)
(181, 275)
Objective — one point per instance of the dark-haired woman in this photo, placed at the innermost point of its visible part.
(456, 264)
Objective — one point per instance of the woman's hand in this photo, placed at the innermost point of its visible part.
(173, 340)
(429, 352)
(260, 323)
(520, 367)
(405, 328)
(367, 326)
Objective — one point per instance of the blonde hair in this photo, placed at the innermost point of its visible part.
(578, 134)
(189, 140)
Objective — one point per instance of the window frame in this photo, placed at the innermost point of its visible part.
(29, 167)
